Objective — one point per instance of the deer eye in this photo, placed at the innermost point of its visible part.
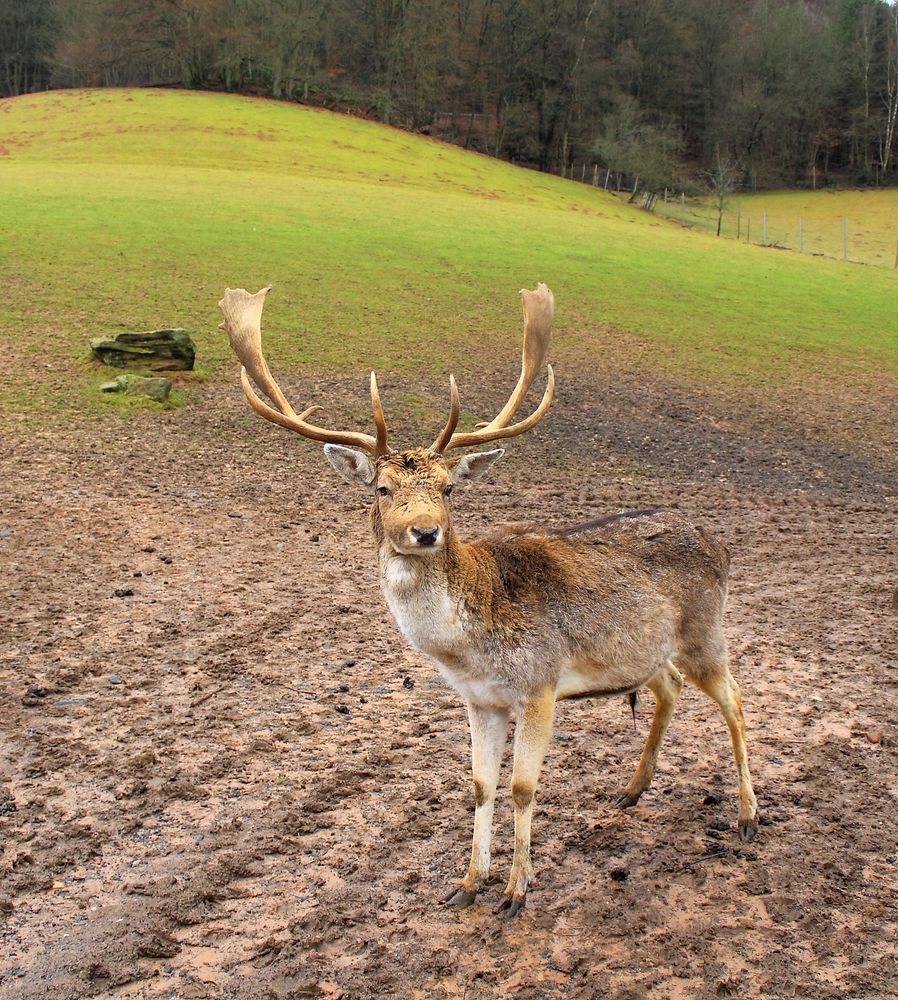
(384, 491)
(447, 492)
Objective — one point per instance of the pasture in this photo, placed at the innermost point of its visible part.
(809, 222)
(222, 772)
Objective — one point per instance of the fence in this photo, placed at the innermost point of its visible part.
(837, 237)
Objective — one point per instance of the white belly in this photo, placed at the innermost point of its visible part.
(579, 678)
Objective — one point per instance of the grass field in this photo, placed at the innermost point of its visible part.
(806, 221)
(134, 209)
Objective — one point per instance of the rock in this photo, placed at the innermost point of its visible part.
(158, 350)
(157, 389)
(619, 874)
(114, 679)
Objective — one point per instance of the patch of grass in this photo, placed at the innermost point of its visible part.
(124, 403)
(134, 209)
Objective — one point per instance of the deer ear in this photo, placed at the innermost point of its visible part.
(474, 466)
(351, 465)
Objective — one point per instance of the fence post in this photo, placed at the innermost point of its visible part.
(595, 175)
(583, 174)
(764, 229)
(607, 175)
(800, 234)
(844, 242)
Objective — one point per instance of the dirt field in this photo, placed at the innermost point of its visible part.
(223, 775)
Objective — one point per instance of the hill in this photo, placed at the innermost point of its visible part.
(134, 208)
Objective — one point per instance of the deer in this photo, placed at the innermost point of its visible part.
(526, 616)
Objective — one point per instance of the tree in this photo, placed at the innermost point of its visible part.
(722, 179)
(629, 145)
(106, 43)
(27, 34)
(886, 138)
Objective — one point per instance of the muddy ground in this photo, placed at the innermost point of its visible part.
(223, 774)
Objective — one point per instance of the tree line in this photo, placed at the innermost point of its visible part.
(767, 92)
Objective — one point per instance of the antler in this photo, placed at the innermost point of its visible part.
(539, 308)
(242, 322)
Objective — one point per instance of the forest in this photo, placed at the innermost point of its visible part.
(676, 93)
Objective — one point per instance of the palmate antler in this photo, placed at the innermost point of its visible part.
(539, 309)
(242, 322)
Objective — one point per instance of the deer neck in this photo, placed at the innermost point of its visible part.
(425, 595)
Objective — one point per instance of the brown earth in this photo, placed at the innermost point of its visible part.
(223, 775)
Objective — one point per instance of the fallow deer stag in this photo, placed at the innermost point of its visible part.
(528, 615)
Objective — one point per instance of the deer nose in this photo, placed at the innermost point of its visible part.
(426, 536)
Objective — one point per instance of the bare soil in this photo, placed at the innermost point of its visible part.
(223, 775)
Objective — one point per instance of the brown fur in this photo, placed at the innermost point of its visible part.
(528, 615)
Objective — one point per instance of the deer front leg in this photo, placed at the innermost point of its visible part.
(533, 731)
(489, 730)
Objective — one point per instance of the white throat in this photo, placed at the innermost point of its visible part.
(400, 574)
(417, 593)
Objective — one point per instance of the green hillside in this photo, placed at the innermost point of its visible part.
(135, 208)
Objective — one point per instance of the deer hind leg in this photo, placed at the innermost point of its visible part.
(665, 686)
(718, 683)
(489, 730)
(533, 731)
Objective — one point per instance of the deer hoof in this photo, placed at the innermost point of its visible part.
(627, 800)
(747, 829)
(511, 906)
(460, 897)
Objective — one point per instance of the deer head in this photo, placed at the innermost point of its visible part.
(411, 488)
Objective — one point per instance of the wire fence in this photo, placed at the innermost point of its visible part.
(839, 238)
(860, 240)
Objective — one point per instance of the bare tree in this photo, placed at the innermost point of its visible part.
(890, 91)
(26, 38)
(722, 179)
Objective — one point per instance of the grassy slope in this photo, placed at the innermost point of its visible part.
(133, 209)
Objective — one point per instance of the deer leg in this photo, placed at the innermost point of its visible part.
(722, 687)
(532, 734)
(665, 686)
(489, 730)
